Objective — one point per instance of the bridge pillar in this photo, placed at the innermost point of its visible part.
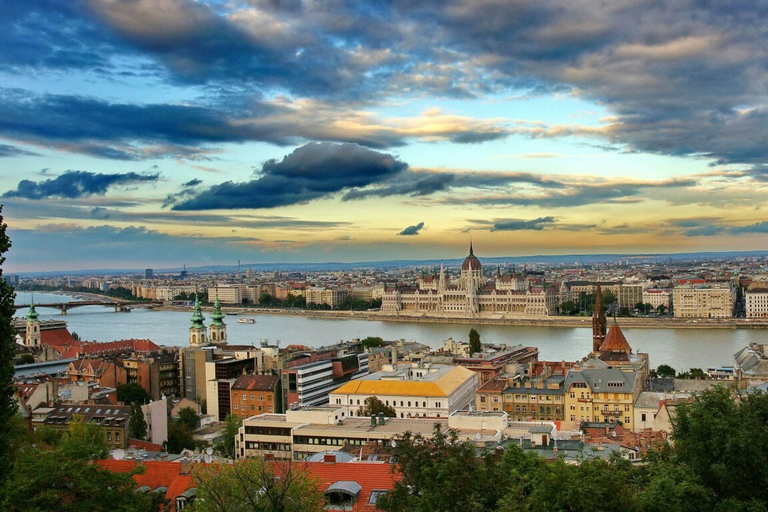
(64, 309)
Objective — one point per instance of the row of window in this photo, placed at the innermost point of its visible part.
(261, 397)
(244, 408)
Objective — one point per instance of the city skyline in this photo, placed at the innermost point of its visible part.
(157, 133)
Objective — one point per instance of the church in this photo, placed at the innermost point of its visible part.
(503, 296)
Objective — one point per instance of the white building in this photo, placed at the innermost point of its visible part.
(757, 303)
(412, 390)
(708, 300)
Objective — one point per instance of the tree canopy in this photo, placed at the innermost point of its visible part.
(256, 485)
(373, 341)
(373, 406)
(474, 341)
(132, 392)
(8, 407)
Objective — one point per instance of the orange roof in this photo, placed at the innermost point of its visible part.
(155, 474)
(138, 444)
(441, 387)
(615, 341)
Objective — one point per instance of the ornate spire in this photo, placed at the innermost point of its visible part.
(32, 314)
(197, 315)
(599, 322)
(471, 251)
(217, 316)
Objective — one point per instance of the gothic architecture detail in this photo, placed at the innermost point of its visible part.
(32, 336)
(503, 296)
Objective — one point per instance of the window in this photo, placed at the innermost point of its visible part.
(482, 399)
(117, 436)
(245, 397)
(261, 398)
(253, 407)
(235, 406)
(643, 417)
(375, 495)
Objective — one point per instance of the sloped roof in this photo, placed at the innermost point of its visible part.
(155, 475)
(441, 386)
(256, 382)
(615, 341)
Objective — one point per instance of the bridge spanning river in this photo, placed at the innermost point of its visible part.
(119, 305)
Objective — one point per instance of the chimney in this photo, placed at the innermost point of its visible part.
(394, 355)
(329, 458)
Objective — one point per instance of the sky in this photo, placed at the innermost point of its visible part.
(162, 133)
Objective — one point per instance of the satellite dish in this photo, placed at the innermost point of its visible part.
(207, 458)
(208, 451)
(392, 443)
(478, 436)
(118, 454)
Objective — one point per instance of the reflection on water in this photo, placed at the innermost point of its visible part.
(680, 348)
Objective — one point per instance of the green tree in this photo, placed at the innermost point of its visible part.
(373, 406)
(662, 309)
(43, 480)
(474, 341)
(373, 341)
(722, 441)
(132, 392)
(569, 307)
(189, 418)
(179, 437)
(442, 473)
(84, 441)
(664, 370)
(256, 485)
(8, 407)
(138, 424)
(25, 359)
(608, 299)
(227, 445)
(697, 373)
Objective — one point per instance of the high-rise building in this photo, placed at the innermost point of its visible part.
(149, 273)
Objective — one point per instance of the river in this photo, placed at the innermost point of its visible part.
(679, 348)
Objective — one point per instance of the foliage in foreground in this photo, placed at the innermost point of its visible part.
(717, 463)
(255, 485)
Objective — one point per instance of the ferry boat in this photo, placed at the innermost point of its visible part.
(246, 320)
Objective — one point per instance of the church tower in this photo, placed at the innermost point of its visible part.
(197, 334)
(599, 323)
(471, 272)
(218, 329)
(32, 336)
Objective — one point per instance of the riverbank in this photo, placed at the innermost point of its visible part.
(554, 321)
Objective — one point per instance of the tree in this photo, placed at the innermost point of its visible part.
(721, 440)
(442, 473)
(179, 438)
(25, 359)
(373, 341)
(227, 445)
(662, 309)
(665, 371)
(474, 341)
(132, 392)
(8, 406)
(373, 406)
(84, 441)
(42, 480)
(189, 417)
(569, 307)
(256, 485)
(138, 424)
(697, 373)
(608, 299)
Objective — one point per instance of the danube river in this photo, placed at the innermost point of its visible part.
(679, 348)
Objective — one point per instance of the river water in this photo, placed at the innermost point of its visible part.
(679, 348)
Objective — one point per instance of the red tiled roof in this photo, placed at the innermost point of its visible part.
(114, 347)
(138, 444)
(256, 382)
(155, 474)
(615, 341)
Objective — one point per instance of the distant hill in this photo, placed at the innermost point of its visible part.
(568, 259)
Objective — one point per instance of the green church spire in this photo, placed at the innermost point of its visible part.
(217, 316)
(197, 315)
(32, 315)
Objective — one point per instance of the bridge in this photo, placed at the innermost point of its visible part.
(119, 305)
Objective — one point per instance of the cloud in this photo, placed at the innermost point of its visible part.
(523, 225)
(7, 150)
(412, 230)
(76, 184)
(310, 172)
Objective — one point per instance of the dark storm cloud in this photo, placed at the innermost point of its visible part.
(312, 171)
(425, 183)
(8, 150)
(714, 227)
(684, 85)
(523, 225)
(412, 230)
(76, 184)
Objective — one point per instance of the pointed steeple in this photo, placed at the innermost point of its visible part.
(441, 282)
(599, 322)
(32, 314)
(216, 315)
(197, 314)
(471, 250)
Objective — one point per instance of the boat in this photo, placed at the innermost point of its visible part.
(246, 320)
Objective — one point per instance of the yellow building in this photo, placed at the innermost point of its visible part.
(413, 390)
(602, 395)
